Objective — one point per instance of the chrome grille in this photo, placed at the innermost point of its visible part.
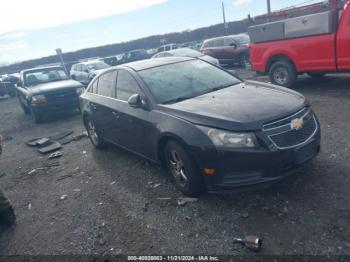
(283, 136)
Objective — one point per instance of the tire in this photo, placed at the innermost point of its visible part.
(316, 74)
(38, 118)
(7, 217)
(244, 60)
(12, 92)
(25, 109)
(96, 140)
(184, 173)
(283, 73)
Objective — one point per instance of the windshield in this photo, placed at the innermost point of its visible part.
(186, 52)
(45, 76)
(97, 66)
(242, 39)
(176, 82)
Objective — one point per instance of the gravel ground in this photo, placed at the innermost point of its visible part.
(116, 203)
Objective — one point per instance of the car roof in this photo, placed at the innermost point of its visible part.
(223, 37)
(150, 63)
(41, 68)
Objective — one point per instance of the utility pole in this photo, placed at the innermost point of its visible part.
(268, 9)
(268, 6)
(224, 17)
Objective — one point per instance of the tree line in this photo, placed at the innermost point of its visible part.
(142, 43)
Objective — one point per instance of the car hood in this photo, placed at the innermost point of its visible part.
(54, 86)
(243, 107)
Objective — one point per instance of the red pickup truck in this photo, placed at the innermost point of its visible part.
(279, 50)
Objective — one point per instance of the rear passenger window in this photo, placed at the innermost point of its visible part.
(126, 86)
(229, 42)
(218, 42)
(106, 83)
(93, 87)
(208, 44)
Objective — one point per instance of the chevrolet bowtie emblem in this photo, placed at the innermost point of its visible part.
(297, 124)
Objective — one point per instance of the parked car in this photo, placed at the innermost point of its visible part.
(186, 52)
(7, 88)
(230, 50)
(209, 128)
(167, 47)
(314, 44)
(111, 60)
(134, 55)
(46, 90)
(84, 72)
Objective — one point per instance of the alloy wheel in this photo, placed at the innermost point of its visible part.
(92, 133)
(281, 76)
(178, 169)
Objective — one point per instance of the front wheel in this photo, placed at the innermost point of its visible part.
(283, 73)
(95, 138)
(12, 92)
(38, 118)
(25, 109)
(184, 173)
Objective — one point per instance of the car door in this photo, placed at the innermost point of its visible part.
(343, 41)
(103, 107)
(218, 49)
(134, 129)
(230, 49)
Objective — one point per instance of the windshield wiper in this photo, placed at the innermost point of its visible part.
(177, 99)
(217, 88)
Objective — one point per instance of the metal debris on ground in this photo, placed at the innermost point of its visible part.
(61, 135)
(251, 242)
(185, 200)
(50, 148)
(63, 177)
(56, 154)
(163, 198)
(157, 185)
(63, 197)
(112, 183)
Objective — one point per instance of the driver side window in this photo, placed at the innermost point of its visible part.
(126, 86)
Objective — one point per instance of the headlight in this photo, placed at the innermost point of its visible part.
(39, 99)
(227, 139)
(80, 91)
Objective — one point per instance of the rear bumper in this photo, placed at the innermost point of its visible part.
(250, 170)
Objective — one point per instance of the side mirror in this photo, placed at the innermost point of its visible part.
(136, 101)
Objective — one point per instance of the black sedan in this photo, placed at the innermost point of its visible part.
(212, 131)
(47, 90)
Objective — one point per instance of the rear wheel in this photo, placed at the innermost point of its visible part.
(183, 171)
(283, 73)
(93, 134)
(244, 60)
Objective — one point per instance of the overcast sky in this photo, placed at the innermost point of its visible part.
(31, 29)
